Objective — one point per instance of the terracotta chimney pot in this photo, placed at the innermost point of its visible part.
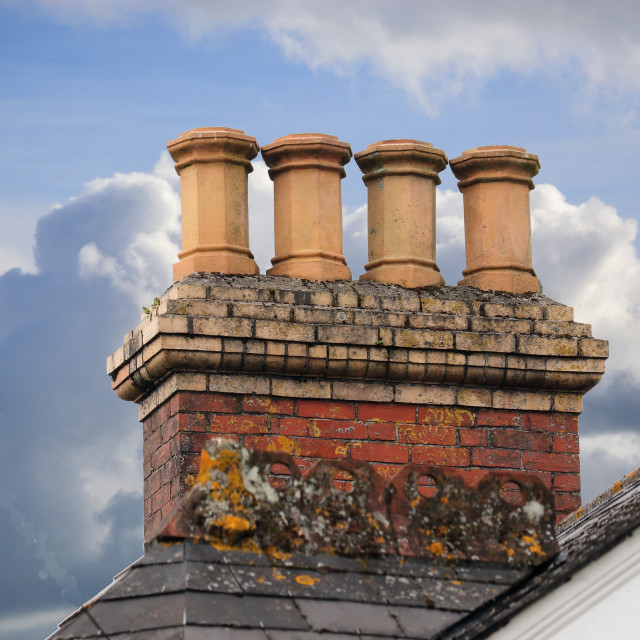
(401, 178)
(495, 183)
(306, 169)
(213, 164)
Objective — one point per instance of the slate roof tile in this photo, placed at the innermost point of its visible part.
(349, 617)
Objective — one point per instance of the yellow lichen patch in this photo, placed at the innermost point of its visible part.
(314, 429)
(442, 531)
(616, 487)
(534, 545)
(277, 554)
(436, 548)
(288, 445)
(306, 580)
(341, 450)
(579, 513)
(234, 524)
(246, 544)
(277, 575)
(456, 582)
(444, 500)
(190, 480)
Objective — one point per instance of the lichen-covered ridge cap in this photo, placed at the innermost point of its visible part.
(234, 505)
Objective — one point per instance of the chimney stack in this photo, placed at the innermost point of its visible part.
(401, 178)
(306, 169)
(495, 184)
(360, 370)
(213, 164)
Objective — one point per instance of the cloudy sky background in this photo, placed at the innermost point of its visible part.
(89, 210)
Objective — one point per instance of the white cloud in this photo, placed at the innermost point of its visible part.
(141, 266)
(261, 228)
(606, 458)
(428, 49)
(585, 257)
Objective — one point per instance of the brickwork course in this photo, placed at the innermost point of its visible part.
(450, 376)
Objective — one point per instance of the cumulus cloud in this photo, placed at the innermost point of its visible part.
(70, 451)
(428, 49)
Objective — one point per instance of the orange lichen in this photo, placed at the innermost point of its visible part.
(436, 548)
(306, 580)
(534, 545)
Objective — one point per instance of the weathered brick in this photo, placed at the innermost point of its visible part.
(189, 442)
(267, 404)
(425, 394)
(238, 383)
(443, 456)
(293, 426)
(473, 437)
(522, 400)
(152, 483)
(300, 388)
(323, 409)
(445, 416)
(528, 311)
(160, 456)
(287, 331)
(566, 482)
(239, 424)
(522, 440)
(261, 311)
(379, 452)
(244, 294)
(494, 342)
(566, 443)
(322, 448)
(438, 322)
(232, 327)
(433, 305)
(304, 297)
(498, 310)
(427, 434)
(499, 458)
(361, 391)
(561, 329)
(386, 412)
(542, 346)
(382, 430)
(273, 443)
(181, 290)
(556, 422)
(497, 418)
(500, 325)
(555, 462)
(592, 348)
(196, 308)
(567, 502)
(349, 429)
(569, 402)
(474, 397)
(559, 313)
(347, 335)
(203, 402)
(423, 339)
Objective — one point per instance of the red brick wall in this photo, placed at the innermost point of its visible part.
(385, 434)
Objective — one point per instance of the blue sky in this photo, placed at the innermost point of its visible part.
(89, 210)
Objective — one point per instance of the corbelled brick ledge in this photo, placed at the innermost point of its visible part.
(451, 376)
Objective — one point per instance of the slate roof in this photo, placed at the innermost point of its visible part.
(192, 590)
(223, 566)
(583, 537)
